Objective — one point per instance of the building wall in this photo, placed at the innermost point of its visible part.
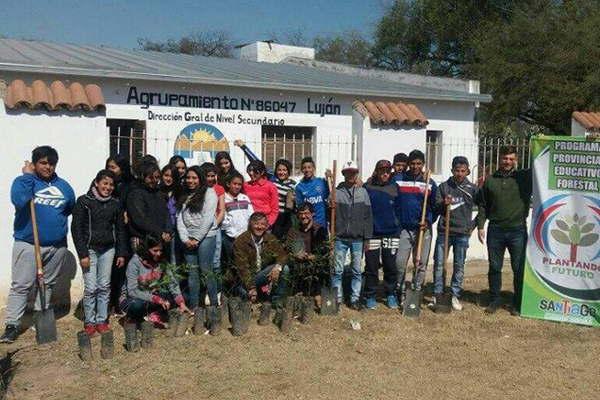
(80, 140)
(83, 145)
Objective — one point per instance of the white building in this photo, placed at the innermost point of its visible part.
(92, 102)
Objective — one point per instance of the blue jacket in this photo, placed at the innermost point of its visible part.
(316, 192)
(385, 207)
(54, 201)
(412, 194)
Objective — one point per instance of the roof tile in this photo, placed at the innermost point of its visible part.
(391, 113)
(54, 97)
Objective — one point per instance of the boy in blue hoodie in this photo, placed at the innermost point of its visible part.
(313, 190)
(54, 199)
(412, 194)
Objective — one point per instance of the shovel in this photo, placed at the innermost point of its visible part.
(412, 302)
(45, 323)
(443, 302)
(329, 294)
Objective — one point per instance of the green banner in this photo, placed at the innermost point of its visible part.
(562, 269)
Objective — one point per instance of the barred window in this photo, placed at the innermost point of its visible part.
(127, 136)
(289, 142)
(434, 151)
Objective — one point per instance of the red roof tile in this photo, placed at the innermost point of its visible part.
(391, 113)
(589, 120)
(54, 97)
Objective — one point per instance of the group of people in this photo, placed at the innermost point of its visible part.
(151, 239)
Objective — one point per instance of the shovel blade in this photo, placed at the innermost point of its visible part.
(443, 304)
(329, 301)
(45, 326)
(412, 303)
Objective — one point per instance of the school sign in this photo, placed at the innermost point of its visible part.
(562, 270)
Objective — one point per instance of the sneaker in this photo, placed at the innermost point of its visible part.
(90, 329)
(371, 303)
(392, 302)
(354, 305)
(10, 334)
(515, 312)
(492, 307)
(103, 327)
(456, 304)
(433, 302)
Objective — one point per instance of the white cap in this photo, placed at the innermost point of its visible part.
(348, 165)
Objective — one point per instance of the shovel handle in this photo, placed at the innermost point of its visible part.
(423, 219)
(332, 198)
(446, 240)
(38, 255)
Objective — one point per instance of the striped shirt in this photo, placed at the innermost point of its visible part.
(283, 187)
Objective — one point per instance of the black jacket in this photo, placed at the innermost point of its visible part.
(147, 212)
(98, 225)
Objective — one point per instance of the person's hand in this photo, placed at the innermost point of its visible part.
(84, 262)
(165, 304)
(252, 294)
(183, 308)
(28, 168)
(120, 262)
(328, 174)
(125, 218)
(481, 235)
(423, 226)
(191, 244)
(311, 257)
(166, 237)
(274, 274)
(448, 200)
(238, 142)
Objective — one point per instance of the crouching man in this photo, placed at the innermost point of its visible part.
(53, 199)
(260, 261)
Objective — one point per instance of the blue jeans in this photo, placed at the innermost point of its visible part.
(137, 309)
(279, 291)
(200, 260)
(96, 281)
(499, 240)
(342, 246)
(459, 245)
(217, 257)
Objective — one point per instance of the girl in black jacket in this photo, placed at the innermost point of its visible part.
(99, 235)
(146, 208)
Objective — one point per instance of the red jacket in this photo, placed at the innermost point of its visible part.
(264, 198)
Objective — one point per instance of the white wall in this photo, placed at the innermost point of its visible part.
(82, 140)
(577, 129)
(82, 144)
(332, 133)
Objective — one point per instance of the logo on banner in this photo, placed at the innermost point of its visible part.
(566, 234)
(200, 142)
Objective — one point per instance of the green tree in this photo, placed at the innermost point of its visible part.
(209, 43)
(347, 48)
(541, 65)
(433, 36)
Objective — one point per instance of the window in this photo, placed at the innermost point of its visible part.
(127, 136)
(434, 151)
(289, 142)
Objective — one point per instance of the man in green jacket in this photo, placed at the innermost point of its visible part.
(504, 200)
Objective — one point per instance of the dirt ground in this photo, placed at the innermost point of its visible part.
(463, 355)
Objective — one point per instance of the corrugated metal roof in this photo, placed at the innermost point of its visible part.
(53, 58)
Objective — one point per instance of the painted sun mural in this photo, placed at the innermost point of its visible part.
(200, 142)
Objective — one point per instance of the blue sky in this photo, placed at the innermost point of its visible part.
(121, 23)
